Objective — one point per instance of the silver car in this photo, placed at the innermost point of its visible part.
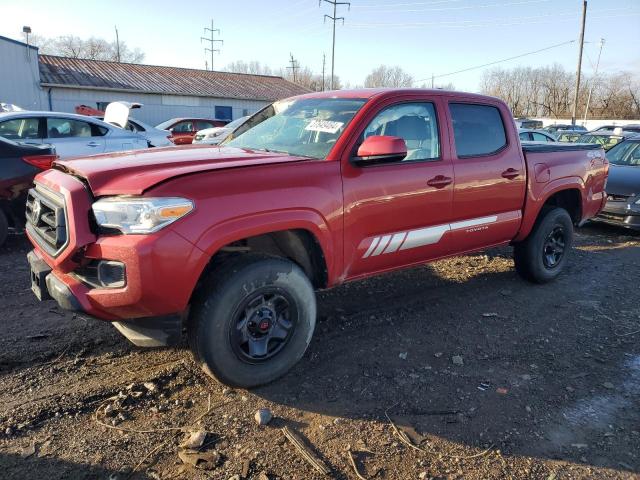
(72, 135)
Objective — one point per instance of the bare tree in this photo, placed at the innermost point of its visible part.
(253, 67)
(92, 48)
(548, 92)
(384, 76)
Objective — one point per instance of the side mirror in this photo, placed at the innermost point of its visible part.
(381, 148)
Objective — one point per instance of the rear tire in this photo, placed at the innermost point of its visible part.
(543, 255)
(253, 320)
(4, 227)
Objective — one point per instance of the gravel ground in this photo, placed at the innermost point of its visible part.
(457, 369)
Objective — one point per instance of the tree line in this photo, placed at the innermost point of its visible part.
(549, 92)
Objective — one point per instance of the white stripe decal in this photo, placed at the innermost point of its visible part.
(382, 245)
(395, 242)
(474, 223)
(373, 245)
(424, 236)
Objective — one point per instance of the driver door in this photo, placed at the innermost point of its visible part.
(398, 213)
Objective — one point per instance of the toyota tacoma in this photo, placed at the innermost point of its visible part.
(229, 243)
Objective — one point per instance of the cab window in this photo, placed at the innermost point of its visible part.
(415, 123)
(478, 130)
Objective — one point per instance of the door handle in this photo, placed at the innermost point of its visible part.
(439, 181)
(93, 144)
(510, 173)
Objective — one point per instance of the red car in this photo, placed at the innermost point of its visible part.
(184, 129)
(313, 191)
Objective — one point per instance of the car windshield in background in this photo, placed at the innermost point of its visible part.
(306, 127)
(625, 153)
(607, 141)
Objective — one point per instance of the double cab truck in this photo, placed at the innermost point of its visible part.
(229, 243)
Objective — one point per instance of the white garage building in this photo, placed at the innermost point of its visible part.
(54, 83)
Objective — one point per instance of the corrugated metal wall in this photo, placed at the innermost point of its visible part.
(19, 76)
(156, 108)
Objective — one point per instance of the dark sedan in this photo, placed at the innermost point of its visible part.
(623, 185)
(19, 163)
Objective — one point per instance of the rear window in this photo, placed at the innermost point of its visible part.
(477, 129)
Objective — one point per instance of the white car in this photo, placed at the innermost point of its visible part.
(72, 135)
(117, 113)
(215, 135)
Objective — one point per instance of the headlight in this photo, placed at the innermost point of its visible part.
(133, 215)
(214, 134)
(637, 202)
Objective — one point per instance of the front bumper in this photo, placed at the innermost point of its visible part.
(143, 332)
(621, 214)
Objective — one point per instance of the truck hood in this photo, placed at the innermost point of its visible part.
(131, 173)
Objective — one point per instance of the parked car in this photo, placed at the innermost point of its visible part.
(310, 192)
(632, 128)
(570, 136)
(19, 163)
(184, 129)
(527, 135)
(561, 127)
(119, 114)
(623, 185)
(72, 135)
(606, 138)
(215, 135)
(528, 123)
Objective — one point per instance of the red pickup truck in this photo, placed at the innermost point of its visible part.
(230, 242)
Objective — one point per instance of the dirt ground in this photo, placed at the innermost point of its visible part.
(482, 374)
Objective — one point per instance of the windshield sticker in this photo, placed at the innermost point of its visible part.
(326, 126)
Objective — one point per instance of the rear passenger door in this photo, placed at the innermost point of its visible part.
(490, 176)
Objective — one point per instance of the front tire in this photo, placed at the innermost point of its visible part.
(253, 320)
(543, 255)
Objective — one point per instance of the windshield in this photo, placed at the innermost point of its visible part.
(306, 127)
(625, 153)
(607, 141)
(166, 124)
(236, 123)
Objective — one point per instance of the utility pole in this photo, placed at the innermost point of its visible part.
(117, 43)
(294, 66)
(333, 44)
(211, 41)
(324, 59)
(593, 82)
(575, 98)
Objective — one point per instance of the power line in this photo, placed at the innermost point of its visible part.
(496, 62)
(386, 9)
(579, 69)
(211, 41)
(294, 66)
(333, 44)
(475, 23)
(409, 4)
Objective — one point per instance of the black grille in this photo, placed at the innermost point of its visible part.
(46, 219)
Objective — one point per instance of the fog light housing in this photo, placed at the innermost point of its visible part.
(102, 274)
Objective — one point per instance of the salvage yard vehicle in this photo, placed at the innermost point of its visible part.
(528, 135)
(230, 242)
(623, 185)
(606, 138)
(570, 136)
(72, 135)
(118, 114)
(19, 164)
(562, 127)
(215, 135)
(184, 129)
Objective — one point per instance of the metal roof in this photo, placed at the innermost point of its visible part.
(98, 74)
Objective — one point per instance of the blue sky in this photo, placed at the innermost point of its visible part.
(424, 37)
